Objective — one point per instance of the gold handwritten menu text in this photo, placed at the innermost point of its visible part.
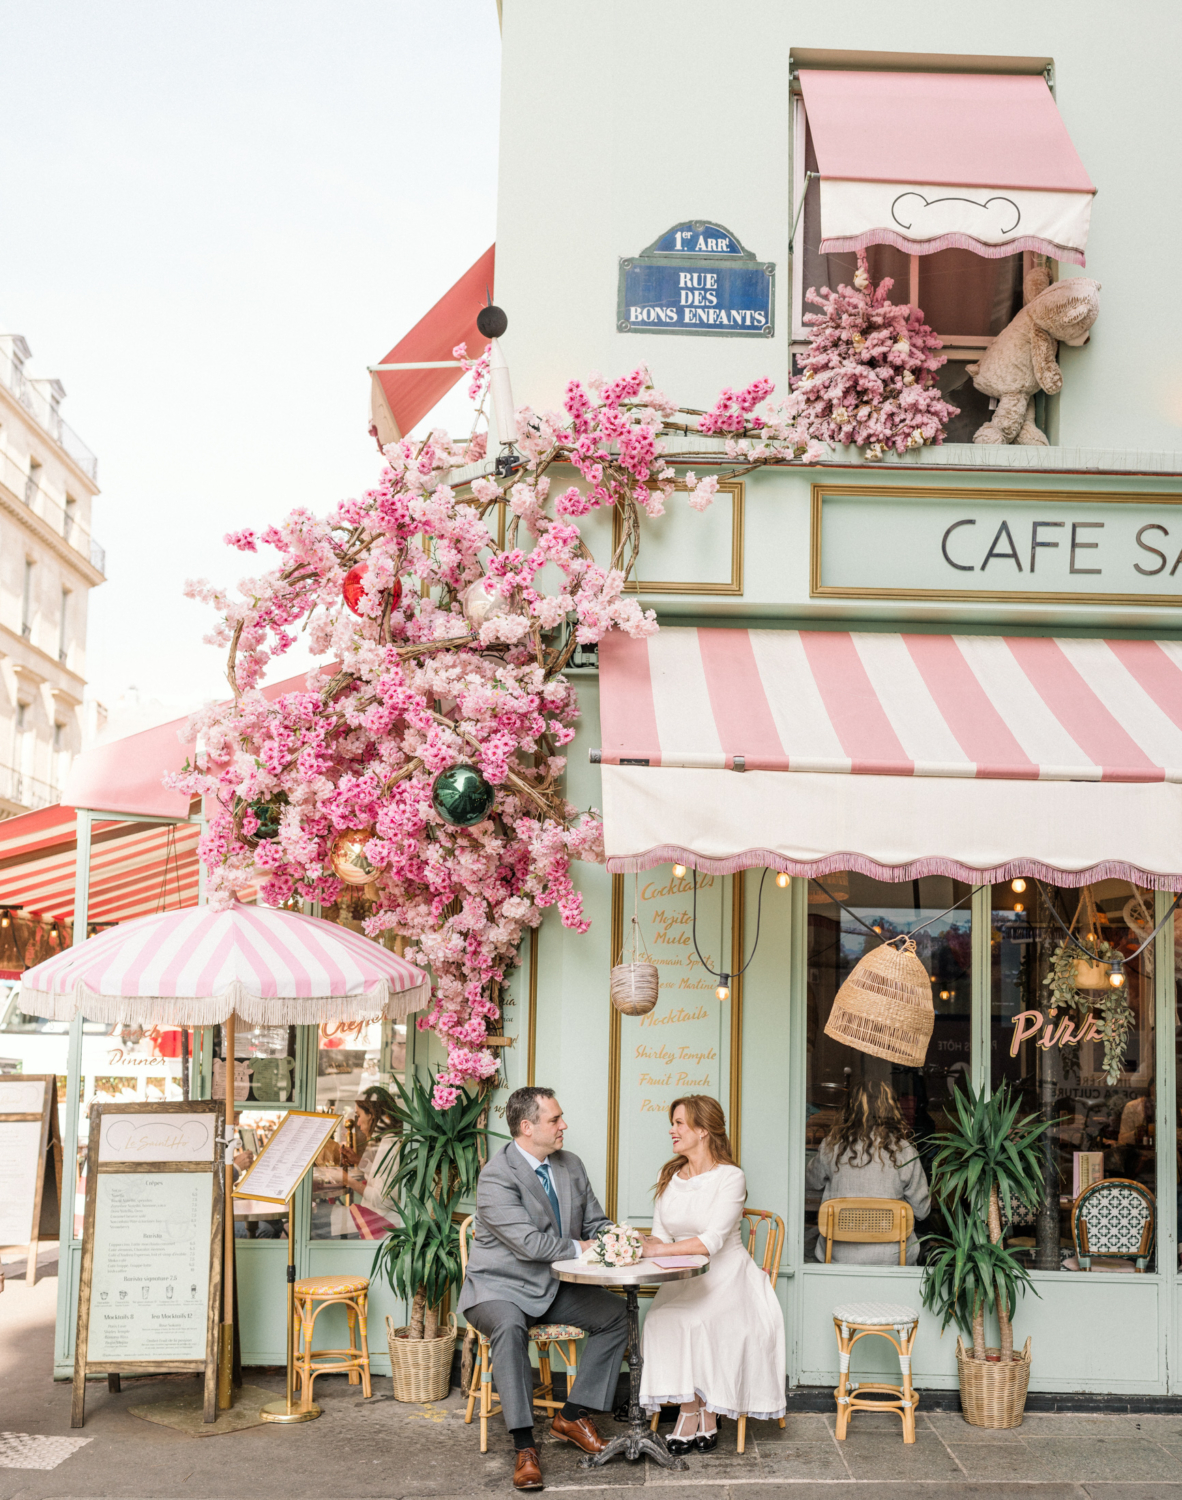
(678, 1048)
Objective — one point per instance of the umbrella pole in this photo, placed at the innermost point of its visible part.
(226, 1345)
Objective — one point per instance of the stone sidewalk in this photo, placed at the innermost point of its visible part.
(387, 1450)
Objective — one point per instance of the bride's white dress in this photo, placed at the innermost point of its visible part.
(719, 1336)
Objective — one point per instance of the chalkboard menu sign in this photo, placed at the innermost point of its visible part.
(148, 1299)
(30, 1162)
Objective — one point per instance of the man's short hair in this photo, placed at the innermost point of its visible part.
(523, 1105)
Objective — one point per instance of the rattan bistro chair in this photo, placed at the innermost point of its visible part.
(754, 1221)
(562, 1336)
(1116, 1216)
(871, 1221)
(865, 1221)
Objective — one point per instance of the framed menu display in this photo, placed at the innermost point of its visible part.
(150, 1284)
(30, 1162)
(290, 1152)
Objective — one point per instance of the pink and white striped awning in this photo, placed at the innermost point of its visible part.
(983, 756)
(195, 967)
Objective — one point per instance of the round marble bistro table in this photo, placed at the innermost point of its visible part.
(638, 1441)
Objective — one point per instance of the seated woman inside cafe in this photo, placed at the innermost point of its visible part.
(869, 1153)
(351, 1197)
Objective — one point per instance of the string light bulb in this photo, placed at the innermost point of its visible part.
(724, 987)
(1018, 906)
(1018, 886)
(1116, 977)
(5, 920)
(945, 994)
(783, 880)
(678, 872)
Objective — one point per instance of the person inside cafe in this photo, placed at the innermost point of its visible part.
(713, 1345)
(870, 1153)
(359, 1174)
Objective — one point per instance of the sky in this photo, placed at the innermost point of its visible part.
(213, 217)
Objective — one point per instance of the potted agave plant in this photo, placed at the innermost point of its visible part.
(436, 1165)
(988, 1162)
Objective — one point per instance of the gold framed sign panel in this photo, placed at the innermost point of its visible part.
(735, 1079)
(821, 590)
(299, 1148)
(733, 585)
(186, 1140)
(30, 1162)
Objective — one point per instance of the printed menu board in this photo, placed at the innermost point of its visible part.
(290, 1152)
(682, 1046)
(30, 1162)
(150, 1283)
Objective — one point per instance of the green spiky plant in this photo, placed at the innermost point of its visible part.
(989, 1158)
(436, 1165)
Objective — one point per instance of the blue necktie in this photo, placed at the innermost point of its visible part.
(548, 1188)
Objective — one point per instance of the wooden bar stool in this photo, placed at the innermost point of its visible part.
(886, 1320)
(312, 1295)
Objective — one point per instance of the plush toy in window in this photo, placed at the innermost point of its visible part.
(1021, 360)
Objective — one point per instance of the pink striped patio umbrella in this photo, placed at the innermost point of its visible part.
(199, 966)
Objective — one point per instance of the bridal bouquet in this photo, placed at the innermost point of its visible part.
(615, 1245)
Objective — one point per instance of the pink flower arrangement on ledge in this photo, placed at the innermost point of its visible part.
(447, 651)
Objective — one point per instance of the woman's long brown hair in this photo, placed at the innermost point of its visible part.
(701, 1113)
(871, 1124)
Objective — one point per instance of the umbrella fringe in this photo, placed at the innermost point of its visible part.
(254, 1010)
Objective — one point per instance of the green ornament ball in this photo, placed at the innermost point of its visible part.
(461, 796)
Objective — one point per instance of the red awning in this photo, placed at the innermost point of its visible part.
(135, 868)
(401, 398)
(926, 161)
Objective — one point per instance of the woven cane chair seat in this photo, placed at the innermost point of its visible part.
(331, 1286)
(875, 1314)
(1114, 1217)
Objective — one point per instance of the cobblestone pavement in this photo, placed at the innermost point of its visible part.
(387, 1450)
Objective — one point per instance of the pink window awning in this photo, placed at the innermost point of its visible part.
(402, 397)
(979, 756)
(929, 161)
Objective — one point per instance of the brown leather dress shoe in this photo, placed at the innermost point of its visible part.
(581, 1433)
(527, 1472)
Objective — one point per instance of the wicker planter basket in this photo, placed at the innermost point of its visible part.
(421, 1367)
(885, 1006)
(634, 988)
(993, 1394)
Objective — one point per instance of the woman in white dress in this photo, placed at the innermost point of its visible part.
(713, 1345)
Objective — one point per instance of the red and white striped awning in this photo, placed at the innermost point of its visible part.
(135, 868)
(978, 756)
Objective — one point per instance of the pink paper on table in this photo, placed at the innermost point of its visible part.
(675, 1262)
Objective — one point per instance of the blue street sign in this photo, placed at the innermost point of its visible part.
(697, 278)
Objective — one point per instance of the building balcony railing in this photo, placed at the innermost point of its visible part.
(46, 415)
(27, 487)
(27, 791)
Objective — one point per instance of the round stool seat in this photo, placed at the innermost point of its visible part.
(554, 1331)
(331, 1286)
(875, 1314)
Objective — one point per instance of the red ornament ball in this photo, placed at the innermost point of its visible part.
(353, 588)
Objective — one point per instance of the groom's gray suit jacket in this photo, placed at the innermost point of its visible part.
(516, 1236)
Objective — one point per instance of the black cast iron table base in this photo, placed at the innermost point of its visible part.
(639, 1441)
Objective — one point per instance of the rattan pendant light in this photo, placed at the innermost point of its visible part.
(885, 1006)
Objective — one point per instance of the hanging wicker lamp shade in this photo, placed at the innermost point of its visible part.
(885, 1006)
(634, 988)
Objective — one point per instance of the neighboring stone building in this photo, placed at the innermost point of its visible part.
(49, 562)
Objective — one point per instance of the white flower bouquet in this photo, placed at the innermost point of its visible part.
(615, 1245)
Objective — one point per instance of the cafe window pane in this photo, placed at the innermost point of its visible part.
(350, 1197)
(905, 1103)
(1043, 1040)
(264, 1064)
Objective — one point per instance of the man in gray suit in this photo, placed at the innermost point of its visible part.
(534, 1205)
